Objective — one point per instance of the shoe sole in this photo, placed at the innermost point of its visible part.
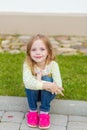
(32, 126)
(44, 127)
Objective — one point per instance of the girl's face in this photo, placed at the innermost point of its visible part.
(38, 51)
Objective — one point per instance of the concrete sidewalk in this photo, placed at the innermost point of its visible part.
(65, 114)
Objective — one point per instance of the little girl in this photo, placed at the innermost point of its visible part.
(42, 80)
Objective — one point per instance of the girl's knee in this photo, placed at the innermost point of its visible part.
(47, 78)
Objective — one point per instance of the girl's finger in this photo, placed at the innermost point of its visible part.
(61, 89)
(61, 93)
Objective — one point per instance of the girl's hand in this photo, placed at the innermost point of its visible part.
(61, 88)
(60, 92)
(53, 88)
(56, 90)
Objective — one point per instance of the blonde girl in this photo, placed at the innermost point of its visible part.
(42, 80)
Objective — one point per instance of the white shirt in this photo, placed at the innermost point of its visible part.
(31, 82)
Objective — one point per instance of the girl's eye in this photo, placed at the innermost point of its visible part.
(42, 49)
(33, 49)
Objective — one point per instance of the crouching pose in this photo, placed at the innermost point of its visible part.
(42, 80)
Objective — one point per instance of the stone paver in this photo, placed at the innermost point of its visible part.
(16, 117)
(77, 126)
(9, 126)
(78, 118)
(1, 113)
(24, 126)
(60, 120)
(57, 127)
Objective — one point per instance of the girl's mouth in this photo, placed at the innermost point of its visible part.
(38, 57)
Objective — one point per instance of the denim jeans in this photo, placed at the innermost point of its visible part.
(45, 97)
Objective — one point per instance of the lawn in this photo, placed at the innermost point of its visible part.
(73, 71)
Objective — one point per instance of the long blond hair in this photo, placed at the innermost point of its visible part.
(48, 45)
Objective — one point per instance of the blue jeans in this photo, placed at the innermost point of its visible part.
(45, 97)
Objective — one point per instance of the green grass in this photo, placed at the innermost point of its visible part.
(73, 71)
(11, 74)
(74, 76)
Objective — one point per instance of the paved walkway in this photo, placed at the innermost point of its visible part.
(65, 114)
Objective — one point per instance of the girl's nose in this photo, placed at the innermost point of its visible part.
(38, 52)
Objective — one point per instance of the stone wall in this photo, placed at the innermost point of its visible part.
(63, 45)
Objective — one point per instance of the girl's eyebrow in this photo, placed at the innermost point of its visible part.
(42, 47)
(33, 49)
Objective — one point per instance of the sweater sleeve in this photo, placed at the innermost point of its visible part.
(56, 74)
(29, 80)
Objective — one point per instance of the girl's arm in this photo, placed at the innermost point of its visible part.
(50, 86)
(29, 80)
(56, 74)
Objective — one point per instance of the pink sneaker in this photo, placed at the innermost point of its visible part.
(32, 119)
(44, 121)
